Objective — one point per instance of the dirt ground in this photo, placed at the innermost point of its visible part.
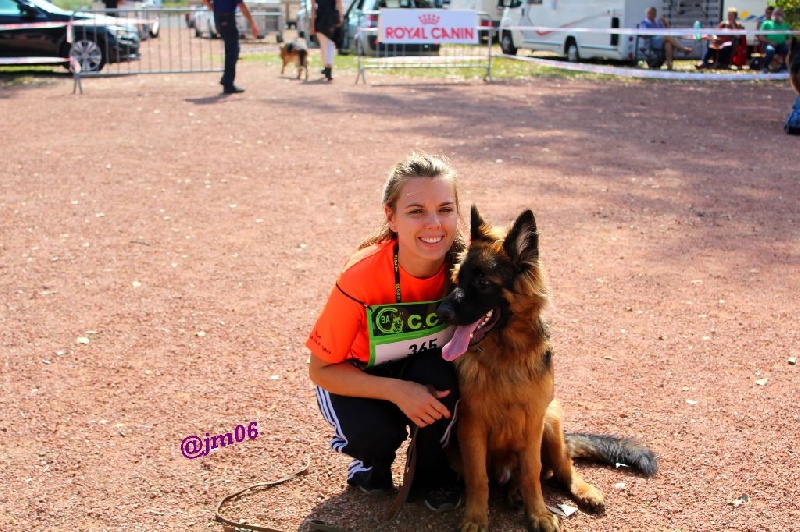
(165, 252)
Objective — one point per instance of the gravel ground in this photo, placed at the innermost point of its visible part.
(165, 252)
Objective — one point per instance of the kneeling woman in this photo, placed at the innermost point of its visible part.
(376, 348)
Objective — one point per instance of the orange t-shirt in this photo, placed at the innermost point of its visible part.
(341, 330)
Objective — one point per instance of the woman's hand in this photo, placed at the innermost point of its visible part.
(421, 406)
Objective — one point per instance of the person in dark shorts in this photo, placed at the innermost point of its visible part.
(327, 17)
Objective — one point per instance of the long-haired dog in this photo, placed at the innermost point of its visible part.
(793, 60)
(295, 52)
(509, 425)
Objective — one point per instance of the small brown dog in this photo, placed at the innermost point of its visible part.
(295, 52)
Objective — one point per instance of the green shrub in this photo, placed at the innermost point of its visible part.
(791, 11)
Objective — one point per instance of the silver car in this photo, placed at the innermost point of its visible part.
(364, 15)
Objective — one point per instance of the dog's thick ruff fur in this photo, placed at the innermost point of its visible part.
(297, 53)
(509, 425)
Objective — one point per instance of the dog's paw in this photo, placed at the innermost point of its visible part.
(543, 523)
(469, 526)
(590, 499)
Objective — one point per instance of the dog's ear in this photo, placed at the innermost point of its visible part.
(477, 225)
(522, 242)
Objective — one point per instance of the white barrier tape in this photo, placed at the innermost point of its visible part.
(32, 60)
(51, 25)
(687, 32)
(112, 21)
(42, 25)
(651, 74)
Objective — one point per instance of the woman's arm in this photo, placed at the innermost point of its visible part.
(416, 402)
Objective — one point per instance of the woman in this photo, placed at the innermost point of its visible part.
(376, 348)
(719, 53)
(327, 20)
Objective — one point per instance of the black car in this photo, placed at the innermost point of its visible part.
(97, 40)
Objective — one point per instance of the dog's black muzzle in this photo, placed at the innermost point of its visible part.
(446, 311)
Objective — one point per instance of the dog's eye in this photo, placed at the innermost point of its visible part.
(482, 282)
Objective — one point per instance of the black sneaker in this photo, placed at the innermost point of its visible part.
(232, 89)
(444, 498)
(369, 480)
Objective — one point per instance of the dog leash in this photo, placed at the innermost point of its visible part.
(256, 528)
(321, 526)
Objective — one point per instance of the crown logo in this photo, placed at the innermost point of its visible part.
(429, 19)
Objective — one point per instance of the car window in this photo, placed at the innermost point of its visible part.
(9, 7)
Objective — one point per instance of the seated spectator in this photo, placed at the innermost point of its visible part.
(765, 17)
(719, 53)
(756, 60)
(775, 43)
(657, 42)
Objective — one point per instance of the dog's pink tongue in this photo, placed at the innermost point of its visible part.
(459, 343)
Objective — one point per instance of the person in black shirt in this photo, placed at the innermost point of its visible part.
(327, 17)
(225, 21)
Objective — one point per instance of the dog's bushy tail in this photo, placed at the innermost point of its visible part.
(613, 450)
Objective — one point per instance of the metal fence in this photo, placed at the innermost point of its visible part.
(374, 55)
(157, 40)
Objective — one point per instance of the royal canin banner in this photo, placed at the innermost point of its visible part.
(425, 26)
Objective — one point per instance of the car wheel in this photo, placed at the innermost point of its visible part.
(197, 32)
(507, 44)
(155, 29)
(573, 55)
(88, 53)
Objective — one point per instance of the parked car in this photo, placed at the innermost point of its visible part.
(303, 23)
(149, 12)
(365, 15)
(97, 40)
(204, 23)
(190, 15)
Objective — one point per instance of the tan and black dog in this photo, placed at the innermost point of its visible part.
(509, 425)
(295, 52)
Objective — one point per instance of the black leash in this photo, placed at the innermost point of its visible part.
(257, 528)
(320, 526)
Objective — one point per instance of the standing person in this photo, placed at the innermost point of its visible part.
(775, 43)
(376, 348)
(669, 43)
(225, 21)
(327, 17)
(111, 7)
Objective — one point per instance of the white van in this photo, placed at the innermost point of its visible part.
(493, 10)
(566, 14)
